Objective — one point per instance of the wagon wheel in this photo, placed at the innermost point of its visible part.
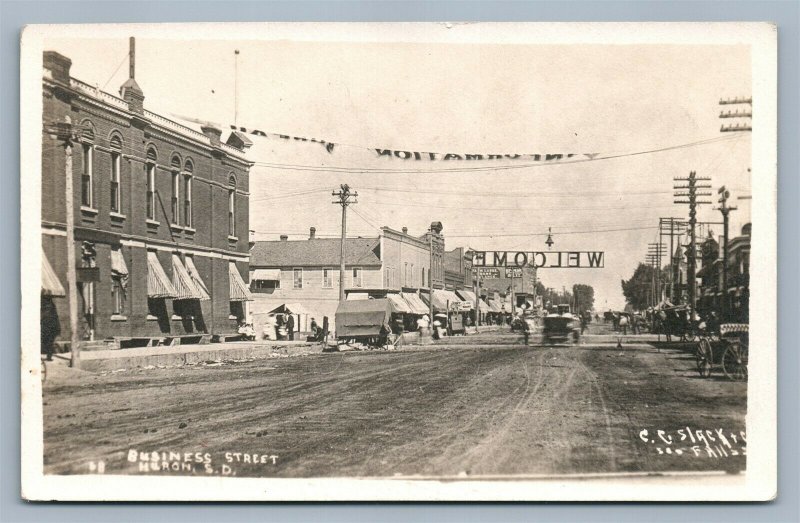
(704, 357)
(734, 361)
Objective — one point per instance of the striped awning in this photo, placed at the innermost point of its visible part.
(183, 282)
(51, 285)
(199, 284)
(239, 290)
(399, 304)
(158, 285)
(483, 306)
(416, 305)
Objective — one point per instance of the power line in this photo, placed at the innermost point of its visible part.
(115, 71)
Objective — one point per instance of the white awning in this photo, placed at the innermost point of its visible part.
(51, 285)
(266, 274)
(118, 265)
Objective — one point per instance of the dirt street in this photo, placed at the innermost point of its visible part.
(477, 405)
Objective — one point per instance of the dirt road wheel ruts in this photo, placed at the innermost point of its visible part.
(734, 361)
(704, 357)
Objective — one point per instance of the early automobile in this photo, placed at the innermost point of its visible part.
(561, 328)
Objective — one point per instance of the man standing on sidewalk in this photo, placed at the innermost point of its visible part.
(290, 326)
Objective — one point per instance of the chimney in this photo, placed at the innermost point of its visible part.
(57, 66)
(213, 132)
(405, 230)
(312, 232)
(284, 237)
(130, 90)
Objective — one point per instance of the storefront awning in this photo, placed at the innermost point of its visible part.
(441, 299)
(484, 307)
(466, 295)
(289, 308)
(199, 284)
(118, 266)
(266, 274)
(51, 285)
(496, 306)
(398, 304)
(183, 282)
(158, 285)
(414, 302)
(238, 288)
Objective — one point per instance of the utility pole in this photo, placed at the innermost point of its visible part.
(654, 253)
(671, 227)
(64, 131)
(725, 210)
(345, 198)
(693, 202)
(743, 117)
(430, 273)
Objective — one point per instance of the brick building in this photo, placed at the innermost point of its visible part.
(160, 214)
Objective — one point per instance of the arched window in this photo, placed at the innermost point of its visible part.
(232, 206)
(116, 168)
(87, 172)
(188, 169)
(150, 167)
(176, 189)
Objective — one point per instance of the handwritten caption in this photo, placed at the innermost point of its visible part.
(696, 443)
(206, 463)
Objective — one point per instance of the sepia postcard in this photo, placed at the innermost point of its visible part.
(399, 261)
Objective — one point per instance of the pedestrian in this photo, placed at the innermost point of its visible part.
(290, 327)
(623, 324)
(49, 325)
(635, 324)
(584, 322)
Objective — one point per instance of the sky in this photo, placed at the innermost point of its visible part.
(460, 98)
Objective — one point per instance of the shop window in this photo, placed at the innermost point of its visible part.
(236, 311)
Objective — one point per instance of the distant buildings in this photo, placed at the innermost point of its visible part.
(307, 271)
(160, 216)
(711, 292)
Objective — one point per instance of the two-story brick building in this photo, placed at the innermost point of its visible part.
(160, 214)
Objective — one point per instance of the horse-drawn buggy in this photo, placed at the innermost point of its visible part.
(730, 350)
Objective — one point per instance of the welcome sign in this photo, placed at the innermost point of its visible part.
(548, 259)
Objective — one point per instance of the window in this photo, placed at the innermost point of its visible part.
(174, 201)
(405, 275)
(267, 286)
(232, 207)
(298, 278)
(411, 283)
(356, 276)
(423, 276)
(87, 175)
(151, 184)
(327, 279)
(116, 168)
(187, 194)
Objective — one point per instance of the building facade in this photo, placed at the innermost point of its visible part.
(160, 214)
(306, 272)
(711, 290)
